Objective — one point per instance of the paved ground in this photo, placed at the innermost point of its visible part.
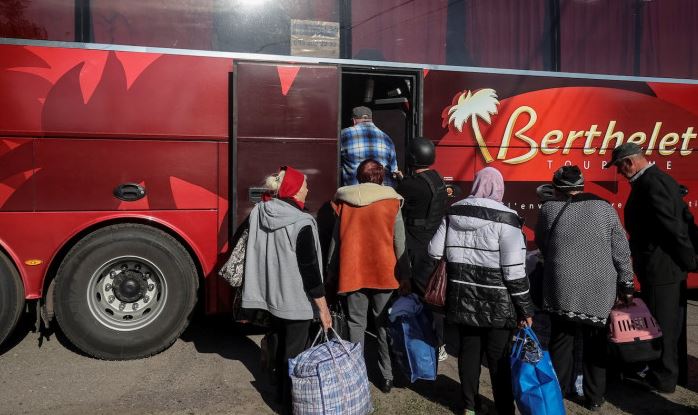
(214, 369)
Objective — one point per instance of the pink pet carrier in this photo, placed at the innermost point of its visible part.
(634, 334)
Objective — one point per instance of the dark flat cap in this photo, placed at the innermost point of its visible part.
(361, 112)
(568, 178)
(623, 151)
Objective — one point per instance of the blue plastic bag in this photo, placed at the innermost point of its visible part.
(413, 339)
(534, 382)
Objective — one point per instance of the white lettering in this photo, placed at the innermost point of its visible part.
(609, 136)
(687, 137)
(667, 142)
(551, 137)
(653, 138)
(533, 145)
(590, 135)
(638, 138)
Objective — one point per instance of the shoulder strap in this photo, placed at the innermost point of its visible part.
(555, 221)
(428, 181)
(443, 256)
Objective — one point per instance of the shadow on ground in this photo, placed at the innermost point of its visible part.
(220, 336)
(25, 327)
(638, 400)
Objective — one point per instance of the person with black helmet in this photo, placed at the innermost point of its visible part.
(425, 197)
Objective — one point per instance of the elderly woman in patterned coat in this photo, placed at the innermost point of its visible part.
(587, 267)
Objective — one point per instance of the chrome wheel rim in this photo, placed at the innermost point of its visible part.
(127, 293)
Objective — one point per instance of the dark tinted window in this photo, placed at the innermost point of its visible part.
(620, 37)
(36, 19)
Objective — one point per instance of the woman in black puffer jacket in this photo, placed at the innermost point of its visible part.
(487, 293)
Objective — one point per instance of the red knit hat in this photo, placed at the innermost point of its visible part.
(292, 182)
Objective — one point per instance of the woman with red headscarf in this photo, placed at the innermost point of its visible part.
(283, 269)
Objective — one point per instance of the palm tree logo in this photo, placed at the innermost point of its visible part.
(482, 104)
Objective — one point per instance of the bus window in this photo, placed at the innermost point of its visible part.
(261, 26)
(265, 26)
(163, 23)
(45, 20)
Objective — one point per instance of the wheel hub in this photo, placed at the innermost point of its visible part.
(127, 293)
(130, 286)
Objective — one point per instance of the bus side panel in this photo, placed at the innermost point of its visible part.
(529, 126)
(39, 236)
(17, 187)
(74, 175)
(63, 91)
(218, 293)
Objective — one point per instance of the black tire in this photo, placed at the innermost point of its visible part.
(85, 303)
(11, 297)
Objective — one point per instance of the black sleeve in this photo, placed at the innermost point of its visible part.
(306, 254)
(540, 232)
(668, 211)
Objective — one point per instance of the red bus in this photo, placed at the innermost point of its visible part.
(135, 135)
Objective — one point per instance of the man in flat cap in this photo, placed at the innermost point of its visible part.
(364, 141)
(662, 253)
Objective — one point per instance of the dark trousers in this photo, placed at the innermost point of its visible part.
(667, 303)
(359, 304)
(594, 356)
(292, 338)
(495, 344)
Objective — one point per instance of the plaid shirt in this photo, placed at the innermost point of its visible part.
(364, 141)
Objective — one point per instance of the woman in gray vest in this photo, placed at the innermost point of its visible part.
(283, 269)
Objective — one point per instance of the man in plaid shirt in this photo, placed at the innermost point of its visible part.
(366, 141)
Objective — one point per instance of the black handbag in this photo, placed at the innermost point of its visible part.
(435, 292)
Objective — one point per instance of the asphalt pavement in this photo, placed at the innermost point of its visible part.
(215, 369)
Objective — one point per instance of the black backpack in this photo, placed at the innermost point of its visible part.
(437, 205)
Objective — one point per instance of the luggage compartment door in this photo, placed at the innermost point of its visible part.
(284, 115)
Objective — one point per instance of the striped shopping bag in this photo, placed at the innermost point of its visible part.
(330, 379)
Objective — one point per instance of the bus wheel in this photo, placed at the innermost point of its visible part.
(125, 291)
(11, 297)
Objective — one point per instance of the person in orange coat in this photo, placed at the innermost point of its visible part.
(367, 256)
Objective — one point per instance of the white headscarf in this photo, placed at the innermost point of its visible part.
(489, 184)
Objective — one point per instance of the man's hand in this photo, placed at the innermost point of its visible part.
(405, 287)
(397, 175)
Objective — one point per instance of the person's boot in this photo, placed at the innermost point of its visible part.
(387, 385)
(594, 406)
